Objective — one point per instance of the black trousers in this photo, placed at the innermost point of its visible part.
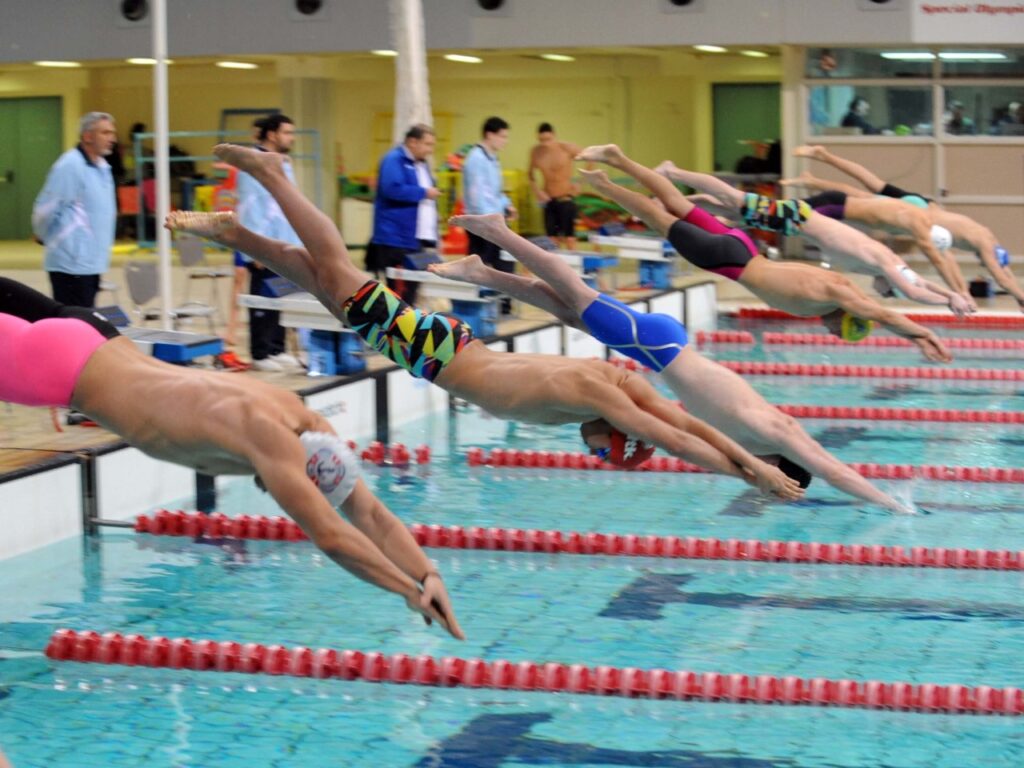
(490, 254)
(266, 334)
(379, 257)
(75, 290)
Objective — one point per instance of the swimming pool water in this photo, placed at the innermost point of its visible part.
(865, 623)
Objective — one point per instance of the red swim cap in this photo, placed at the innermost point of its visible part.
(628, 452)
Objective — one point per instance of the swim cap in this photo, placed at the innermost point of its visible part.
(628, 452)
(330, 465)
(941, 238)
(1002, 256)
(795, 471)
(854, 328)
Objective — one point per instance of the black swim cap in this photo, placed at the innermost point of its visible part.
(795, 471)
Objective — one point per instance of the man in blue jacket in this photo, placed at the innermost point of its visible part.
(405, 209)
(75, 214)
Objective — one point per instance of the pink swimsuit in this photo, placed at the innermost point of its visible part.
(40, 362)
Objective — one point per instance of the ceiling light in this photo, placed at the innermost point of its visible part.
(754, 54)
(145, 61)
(237, 65)
(908, 55)
(710, 48)
(60, 64)
(557, 57)
(463, 59)
(383, 52)
(972, 56)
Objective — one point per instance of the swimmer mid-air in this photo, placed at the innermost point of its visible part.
(710, 391)
(218, 425)
(800, 289)
(440, 348)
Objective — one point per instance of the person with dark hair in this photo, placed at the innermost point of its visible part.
(75, 214)
(404, 208)
(856, 116)
(259, 212)
(56, 355)
(557, 196)
(622, 414)
(483, 192)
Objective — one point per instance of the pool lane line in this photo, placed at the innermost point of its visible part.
(530, 459)
(1009, 320)
(876, 413)
(194, 524)
(826, 339)
(751, 368)
(452, 671)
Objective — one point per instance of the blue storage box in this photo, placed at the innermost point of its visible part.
(332, 353)
(481, 316)
(655, 274)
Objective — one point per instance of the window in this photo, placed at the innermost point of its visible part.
(984, 110)
(870, 110)
(988, 63)
(868, 63)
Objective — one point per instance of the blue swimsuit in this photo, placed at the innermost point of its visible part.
(651, 339)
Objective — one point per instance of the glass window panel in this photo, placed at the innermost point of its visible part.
(968, 61)
(869, 62)
(984, 110)
(837, 110)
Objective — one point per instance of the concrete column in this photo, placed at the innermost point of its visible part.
(307, 97)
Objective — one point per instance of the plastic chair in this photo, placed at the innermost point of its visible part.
(192, 256)
(144, 286)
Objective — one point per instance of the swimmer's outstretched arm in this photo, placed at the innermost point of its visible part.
(986, 248)
(850, 299)
(371, 516)
(926, 292)
(920, 226)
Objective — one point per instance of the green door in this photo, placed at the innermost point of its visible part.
(30, 140)
(744, 112)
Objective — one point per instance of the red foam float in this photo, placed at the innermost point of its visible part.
(872, 371)
(826, 339)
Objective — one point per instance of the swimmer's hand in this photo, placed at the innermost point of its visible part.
(772, 480)
(960, 305)
(932, 348)
(434, 604)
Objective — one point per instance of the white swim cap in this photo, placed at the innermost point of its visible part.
(941, 238)
(330, 464)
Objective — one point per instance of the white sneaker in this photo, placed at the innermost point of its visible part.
(268, 365)
(285, 360)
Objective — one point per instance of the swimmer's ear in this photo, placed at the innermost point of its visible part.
(259, 483)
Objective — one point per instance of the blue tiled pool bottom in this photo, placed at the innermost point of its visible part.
(934, 626)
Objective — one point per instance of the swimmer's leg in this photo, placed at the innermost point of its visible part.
(849, 167)
(528, 290)
(641, 206)
(704, 182)
(317, 232)
(810, 181)
(549, 267)
(663, 189)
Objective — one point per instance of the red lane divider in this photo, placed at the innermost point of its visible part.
(725, 337)
(826, 339)
(179, 523)
(926, 318)
(879, 371)
(396, 454)
(451, 671)
(507, 457)
(901, 414)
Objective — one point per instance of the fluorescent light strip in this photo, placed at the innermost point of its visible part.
(557, 57)
(711, 48)
(908, 55)
(142, 61)
(754, 54)
(972, 56)
(58, 64)
(237, 65)
(463, 59)
(384, 52)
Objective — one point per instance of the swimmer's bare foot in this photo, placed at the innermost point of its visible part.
(595, 178)
(602, 153)
(489, 226)
(221, 227)
(469, 269)
(252, 161)
(665, 168)
(803, 178)
(815, 151)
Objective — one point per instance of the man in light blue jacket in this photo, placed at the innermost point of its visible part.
(404, 208)
(483, 192)
(75, 214)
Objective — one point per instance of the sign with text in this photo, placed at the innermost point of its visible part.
(997, 21)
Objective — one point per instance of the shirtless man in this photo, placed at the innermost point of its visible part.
(218, 425)
(617, 408)
(845, 247)
(800, 289)
(967, 234)
(708, 390)
(553, 159)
